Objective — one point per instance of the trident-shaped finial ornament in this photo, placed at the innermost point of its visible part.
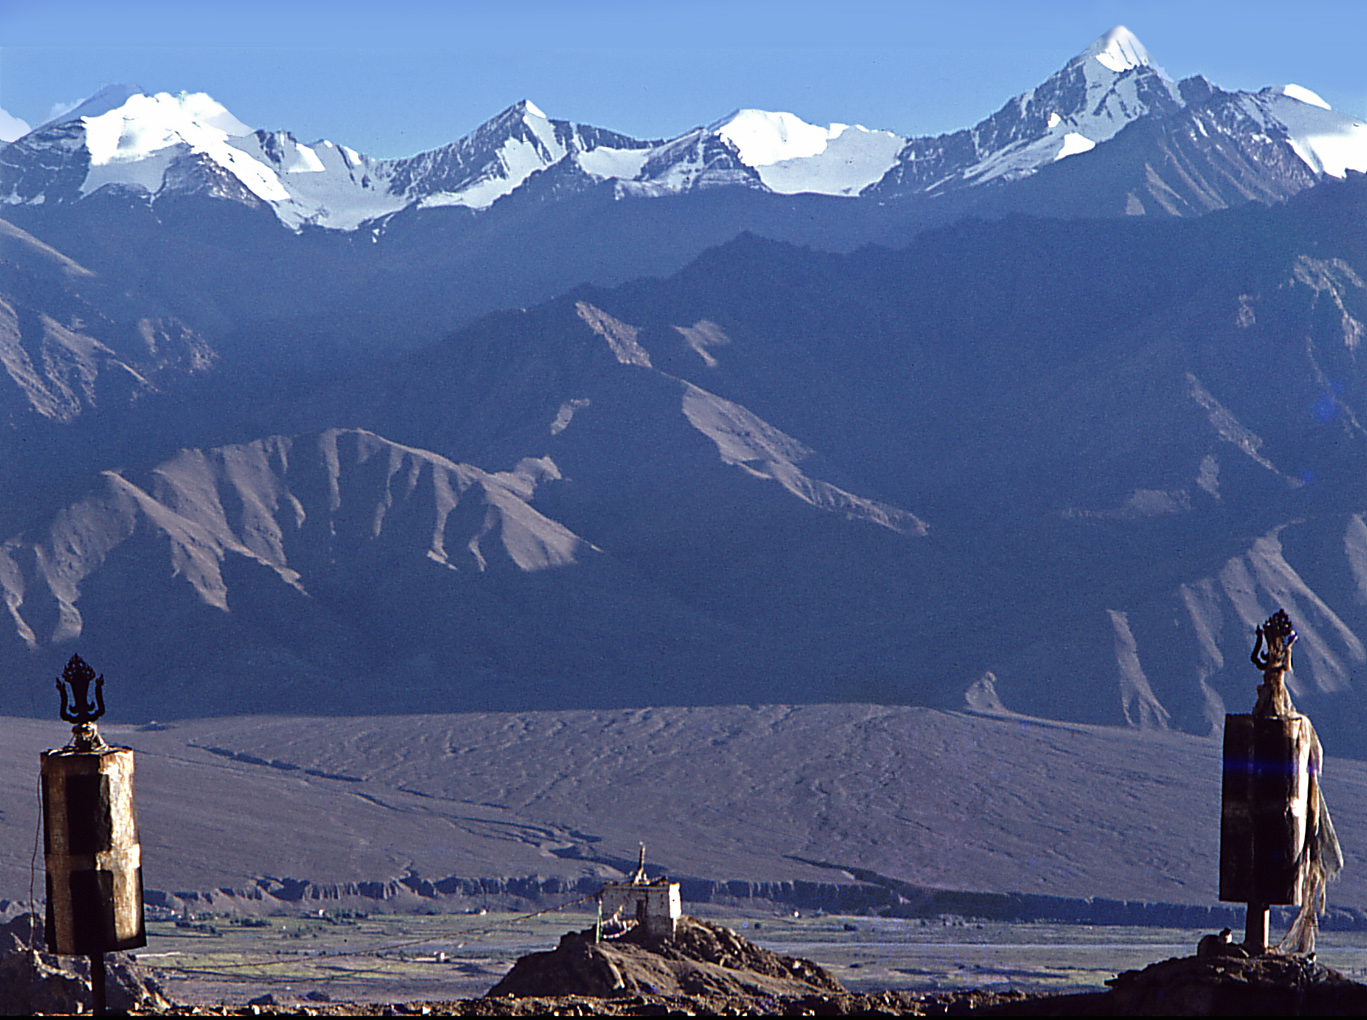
(1278, 634)
(79, 712)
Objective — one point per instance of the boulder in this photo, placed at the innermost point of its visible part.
(35, 981)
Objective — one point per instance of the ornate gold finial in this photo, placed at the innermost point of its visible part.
(81, 713)
(1278, 634)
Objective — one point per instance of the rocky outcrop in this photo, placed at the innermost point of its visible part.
(1230, 986)
(34, 982)
(700, 958)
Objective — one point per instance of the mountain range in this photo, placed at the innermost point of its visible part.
(556, 418)
(159, 146)
(282, 246)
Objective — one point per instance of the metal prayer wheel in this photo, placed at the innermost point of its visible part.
(90, 843)
(1265, 812)
(1277, 842)
(90, 834)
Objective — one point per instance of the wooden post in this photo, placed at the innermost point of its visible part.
(1255, 929)
(97, 980)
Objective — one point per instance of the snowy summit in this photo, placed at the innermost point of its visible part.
(159, 144)
(1119, 51)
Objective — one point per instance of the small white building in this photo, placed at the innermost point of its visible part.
(654, 905)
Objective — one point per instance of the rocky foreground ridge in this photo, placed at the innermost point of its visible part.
(707, 969)
(33, 981)
(1222, 986)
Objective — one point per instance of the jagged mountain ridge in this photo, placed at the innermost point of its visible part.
(165, 144)
(1109, 85)
(265, 574)
(1148, 437)
(801, 471)
(805, 471)
(270, 248)
(67, 345)
(317, 557)
(1082, 457)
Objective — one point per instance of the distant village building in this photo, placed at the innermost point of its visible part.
(654, 906)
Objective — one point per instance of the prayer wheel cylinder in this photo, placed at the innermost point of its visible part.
(1266, 795)
(94, 860)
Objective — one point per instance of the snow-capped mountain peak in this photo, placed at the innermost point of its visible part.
(792, 156)
(1329, 142)
(167, 144)
(1106, 87)
(111, 97)
(139, 140)
(762, 138)
(497, 158)
(1119, 50)
(1303, 94)
(500, 155)
(144, 124)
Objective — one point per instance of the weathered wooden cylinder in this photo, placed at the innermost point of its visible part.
(90, 843)
(1265, 802)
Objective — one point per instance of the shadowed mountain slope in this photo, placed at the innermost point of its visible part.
(1084, 457)
(1148, 436)
(340, 571)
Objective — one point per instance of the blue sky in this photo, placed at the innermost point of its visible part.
(394, 77)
